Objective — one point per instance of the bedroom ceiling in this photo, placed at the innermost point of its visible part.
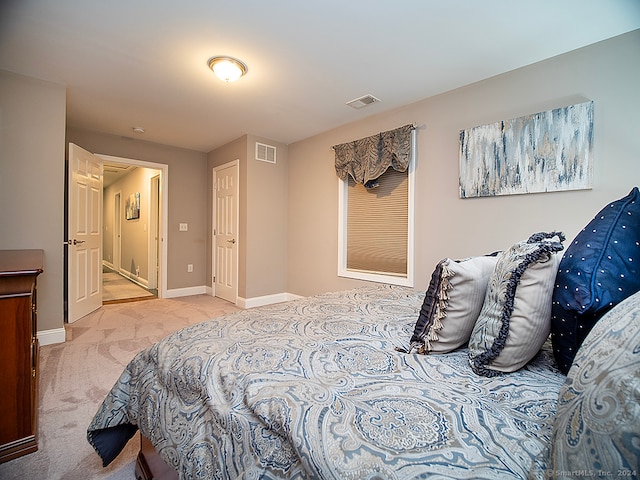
(143, 63)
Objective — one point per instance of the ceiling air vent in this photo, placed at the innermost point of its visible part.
(116, 167)
(265, 153)
(363, 101)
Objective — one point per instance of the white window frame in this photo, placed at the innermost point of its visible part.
(394, 279)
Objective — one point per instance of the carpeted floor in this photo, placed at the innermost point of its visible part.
(75, 376)
(116, 288)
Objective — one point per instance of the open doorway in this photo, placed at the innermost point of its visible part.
(132, 230)
(117, 287)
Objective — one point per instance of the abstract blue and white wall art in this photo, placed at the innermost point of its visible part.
(542, 152)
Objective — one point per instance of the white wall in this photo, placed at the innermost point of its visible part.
(447, 226)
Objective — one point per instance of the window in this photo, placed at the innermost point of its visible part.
(376, 228)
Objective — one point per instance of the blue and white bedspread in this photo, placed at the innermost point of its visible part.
(315, 388)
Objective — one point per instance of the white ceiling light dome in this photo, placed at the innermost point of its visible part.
(227, 69)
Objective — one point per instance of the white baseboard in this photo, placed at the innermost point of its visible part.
(185, 292)
(143, 282)
(266, 300)
(49, 337)
(241, 302)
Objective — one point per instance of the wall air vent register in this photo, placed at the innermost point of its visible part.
(265, 153)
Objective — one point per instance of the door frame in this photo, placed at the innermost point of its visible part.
(162, 214)
(154, 232)
(236, 165)
(117, 230)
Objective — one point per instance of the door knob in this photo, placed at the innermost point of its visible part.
(233, 240)
(74, 242)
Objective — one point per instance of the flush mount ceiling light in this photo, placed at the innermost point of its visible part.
(227, 69)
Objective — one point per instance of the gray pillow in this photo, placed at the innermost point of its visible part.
(596, 424)
(452, 304)
(516, 315)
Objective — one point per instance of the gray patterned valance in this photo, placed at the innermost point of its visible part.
(368, 158)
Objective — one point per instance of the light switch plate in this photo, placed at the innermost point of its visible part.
(184, 227)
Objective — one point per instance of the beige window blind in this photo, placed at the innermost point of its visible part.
(377, 225)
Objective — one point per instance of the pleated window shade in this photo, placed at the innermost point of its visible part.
(377, 225)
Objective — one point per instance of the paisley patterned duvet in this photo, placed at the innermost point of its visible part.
(315, 388)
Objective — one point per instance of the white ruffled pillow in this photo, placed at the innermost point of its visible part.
(516, 314)
(452, 304)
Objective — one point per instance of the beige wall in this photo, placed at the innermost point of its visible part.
(299, 195)
(267, 209)
(447, 226)
(186, 190)
(262, 240)
(236, 150)
(32, 152)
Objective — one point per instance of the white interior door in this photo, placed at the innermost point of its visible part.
(225, 236)
(85, 233)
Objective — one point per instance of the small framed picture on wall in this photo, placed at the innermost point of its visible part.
(132, 210)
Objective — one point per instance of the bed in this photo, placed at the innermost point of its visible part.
(320, 388)
(523, 364)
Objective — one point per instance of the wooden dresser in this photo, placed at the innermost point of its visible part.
(18, 352)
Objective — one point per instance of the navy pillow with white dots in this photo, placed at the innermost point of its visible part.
(600, 268)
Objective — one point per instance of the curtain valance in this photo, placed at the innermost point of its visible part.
(368, 158)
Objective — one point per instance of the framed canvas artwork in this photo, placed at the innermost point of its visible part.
(132, 207)
(543, 152)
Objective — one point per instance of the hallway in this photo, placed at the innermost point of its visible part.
(118, 289)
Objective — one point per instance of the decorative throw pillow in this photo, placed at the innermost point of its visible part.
(596, 423)
(452, 304)
(599, 269)
(515, 318)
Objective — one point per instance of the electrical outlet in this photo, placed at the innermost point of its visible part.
(190, 268)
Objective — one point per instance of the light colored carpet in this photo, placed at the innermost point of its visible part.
(75, 376)
(116, 288)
